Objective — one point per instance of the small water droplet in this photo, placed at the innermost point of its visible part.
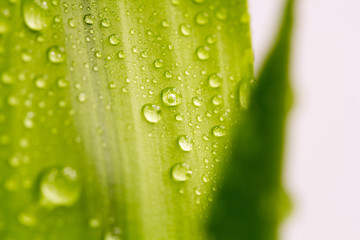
(211, 39)
(206, 178)
(60, 186)
(185, 29)
(121, 54)
(113, 233)
(215, 80)
(168, 74)
(89, 19)
(203, 53)
(56, 54)
(171, 96)
(217, 100)
(105, 23)
(179, 117)
(40, 81)
(221, 14)
(158, 63)
(81, 97)
(152, 113)
(181, 172)
(202, 18)
(7, 78)
(72, 23)
(185, 143)
(112, 85)
(197, 101)
(114, 39)
(94, 222)
(219, 131)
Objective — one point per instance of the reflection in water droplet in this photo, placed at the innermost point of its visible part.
(181, 172)
(56, 54)
(203, 53)
(219, 131)
(185, 143)
(36, 14)
(185, 29)
(152, 113)
(171, 96)
(60, 186)
(215, 80)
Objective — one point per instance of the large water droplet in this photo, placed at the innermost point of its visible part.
(215, 80)
(185, 143)
(171, 96)
(60, 186)
(56, 54)
(152, 113)
(181, 172)
(219, 131)
(36, 14)
(203, 53)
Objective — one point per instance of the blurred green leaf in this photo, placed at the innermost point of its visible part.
(251, 201)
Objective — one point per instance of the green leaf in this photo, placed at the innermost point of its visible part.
(252, 202)
(116, 116)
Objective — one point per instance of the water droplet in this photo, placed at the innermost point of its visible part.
(60, 186)
(105, 23)
(121, 54)
(7, 78)
(185, 29)
(94, 222)
(221, 14)
(72, 23)
(179, 117)
(203, 53)
(171, 96)
(206, 178)
(185, 143)
(197, 101)
(181, 172)
(56, 54)
(215, 80)
(168, 74)
(113, 233)
(40, 81)
(114, 39)
(152, 113)
(244, 94)
(202, 18)
(158, 63)
(26, 55)
(81, 97)
(36, 14)
(217, 100)
(89, 19)
(211, 39)
(165, 23)
(219, 131)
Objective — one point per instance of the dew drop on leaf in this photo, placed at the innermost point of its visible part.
(113, 233)
(89, 19)
(185, 143)
(121, 54)
(81, 97)
(215, 80)
(217, 100)
(197, 101)
(114, 39)
(36, 14)
(158, 63)
(171, 96)
(40, 81)
(56, 54)
(221, 14)
(105, 23)
(219, 131)
(152, 113)
(185, 29)
(203, 53)
(60, 186)
(181, 172)
(202, 18)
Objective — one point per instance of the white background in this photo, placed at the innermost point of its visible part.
(322, 169)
